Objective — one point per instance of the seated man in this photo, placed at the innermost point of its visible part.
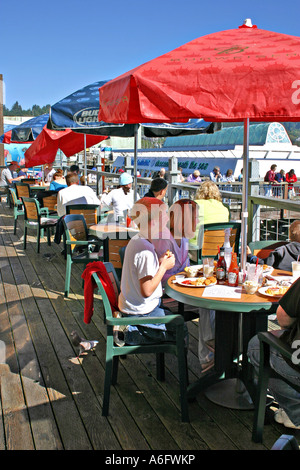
(75, 194)
(7, 175)
(282, 257)
(120, 199)
(288, 316)
(142, 272)
(158, 188)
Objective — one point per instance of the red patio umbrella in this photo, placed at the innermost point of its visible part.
(44, 148)
(226, 76)
(236, 75)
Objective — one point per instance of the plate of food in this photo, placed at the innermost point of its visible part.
(199, 282)
(273, 291)
(267, 269)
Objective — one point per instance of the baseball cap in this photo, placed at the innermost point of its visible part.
(13, 163)
(124, 179)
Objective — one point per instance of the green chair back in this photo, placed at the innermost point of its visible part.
(262, 249)
(212, 235)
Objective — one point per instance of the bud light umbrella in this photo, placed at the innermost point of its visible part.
(29, 130)
(79, 112)
(241, 74)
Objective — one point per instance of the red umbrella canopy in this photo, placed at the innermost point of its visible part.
(226, 76)
(45, 147)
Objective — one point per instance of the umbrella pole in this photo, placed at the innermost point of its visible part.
(85, 171)
(245, 196)
(136, 130)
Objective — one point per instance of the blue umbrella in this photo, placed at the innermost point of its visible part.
(79, 112)
(29, 130)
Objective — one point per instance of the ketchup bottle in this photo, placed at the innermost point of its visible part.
(233, 272)
(221, 268)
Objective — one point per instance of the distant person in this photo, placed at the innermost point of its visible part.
(74, 194)
(240, 177)
(121, 199)
(282, 257)
(161, 174)
(75, 169)
(270, 178)
(158, 188)
(23, 172)
(58, 181)
(228, 177)
(194, 177)
(7, 175)
(280, 176)
(216, 175)
(291, 178)
(180, 177)
(48, 173)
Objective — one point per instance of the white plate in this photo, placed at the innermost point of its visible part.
(185, 283)
(262, 290)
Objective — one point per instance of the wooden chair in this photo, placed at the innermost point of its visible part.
(268, 341)
(78, 246)
(213, 235)
(113, 351)
(17, 206)
(262, 249)
(90, 212)
(22, 190)
(34, 218)
(50, 203)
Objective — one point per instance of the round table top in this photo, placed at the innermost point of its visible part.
(245, 303)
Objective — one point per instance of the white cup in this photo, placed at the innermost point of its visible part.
(296, 268)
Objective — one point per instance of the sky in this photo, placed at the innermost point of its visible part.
(53, 48)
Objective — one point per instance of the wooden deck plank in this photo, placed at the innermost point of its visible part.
(58, 397)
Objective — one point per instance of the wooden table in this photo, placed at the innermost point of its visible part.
(114, 236)
(237, 321)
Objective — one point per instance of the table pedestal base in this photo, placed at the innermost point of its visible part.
(230, 393)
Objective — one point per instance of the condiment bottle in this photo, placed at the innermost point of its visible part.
(221, 268)
(233, 272)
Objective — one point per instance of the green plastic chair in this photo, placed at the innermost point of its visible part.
(268, 341)
(17, 206)
(79, 249)
(113, 351)
(37, 219)
(262, 249)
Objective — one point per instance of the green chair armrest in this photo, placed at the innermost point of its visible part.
(283, 348)
(172, 319)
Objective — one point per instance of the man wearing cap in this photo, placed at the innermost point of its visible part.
(122, 198)
(7, 175)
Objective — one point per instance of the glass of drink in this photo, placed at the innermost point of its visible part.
(208, 267)
(296, 269)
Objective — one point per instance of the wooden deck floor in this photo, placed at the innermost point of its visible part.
(52, 400)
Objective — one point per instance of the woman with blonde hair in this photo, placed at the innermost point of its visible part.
(210, 208)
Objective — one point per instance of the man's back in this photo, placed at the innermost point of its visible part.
(75, 194)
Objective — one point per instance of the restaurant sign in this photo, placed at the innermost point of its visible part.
(188, 165)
